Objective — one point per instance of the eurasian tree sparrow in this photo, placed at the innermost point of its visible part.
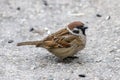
(65, 42)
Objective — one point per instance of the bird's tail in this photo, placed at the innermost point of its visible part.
(30, 43)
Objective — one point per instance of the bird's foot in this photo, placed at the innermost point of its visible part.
(72, 57)
(68, 59)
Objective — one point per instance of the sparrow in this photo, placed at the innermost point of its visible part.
(65, 42)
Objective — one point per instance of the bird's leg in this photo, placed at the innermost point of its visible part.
(65, 60)
(72, 57)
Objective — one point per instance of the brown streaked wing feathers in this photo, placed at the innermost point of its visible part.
(58, 40)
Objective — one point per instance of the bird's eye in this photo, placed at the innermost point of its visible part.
(76, 31)
(78, 27)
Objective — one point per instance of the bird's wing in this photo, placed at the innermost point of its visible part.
(59, 39)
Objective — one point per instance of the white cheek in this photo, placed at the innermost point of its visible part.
(80, 32)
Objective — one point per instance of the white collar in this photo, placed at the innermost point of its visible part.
(71, 31)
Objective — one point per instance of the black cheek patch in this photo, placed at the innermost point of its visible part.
(78, 27)
(83, 32)
(76, 31)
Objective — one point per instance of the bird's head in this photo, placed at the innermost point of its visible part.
(77, 28)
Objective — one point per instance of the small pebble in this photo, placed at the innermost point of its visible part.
(47, 30)
(10, 41)
(18, 8)
(31, 29)
(108, 17)
(33, 67)
(45, 2)
(81, 75)
(112, 51)
(98, 61)
(98, 15)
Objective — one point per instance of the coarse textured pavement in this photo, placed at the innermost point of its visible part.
(100, 60)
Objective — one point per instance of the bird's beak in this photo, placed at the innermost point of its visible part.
(85, 28)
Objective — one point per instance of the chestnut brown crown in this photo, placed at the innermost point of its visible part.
(75, 24)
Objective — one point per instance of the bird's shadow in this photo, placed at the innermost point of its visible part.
(54, 59)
